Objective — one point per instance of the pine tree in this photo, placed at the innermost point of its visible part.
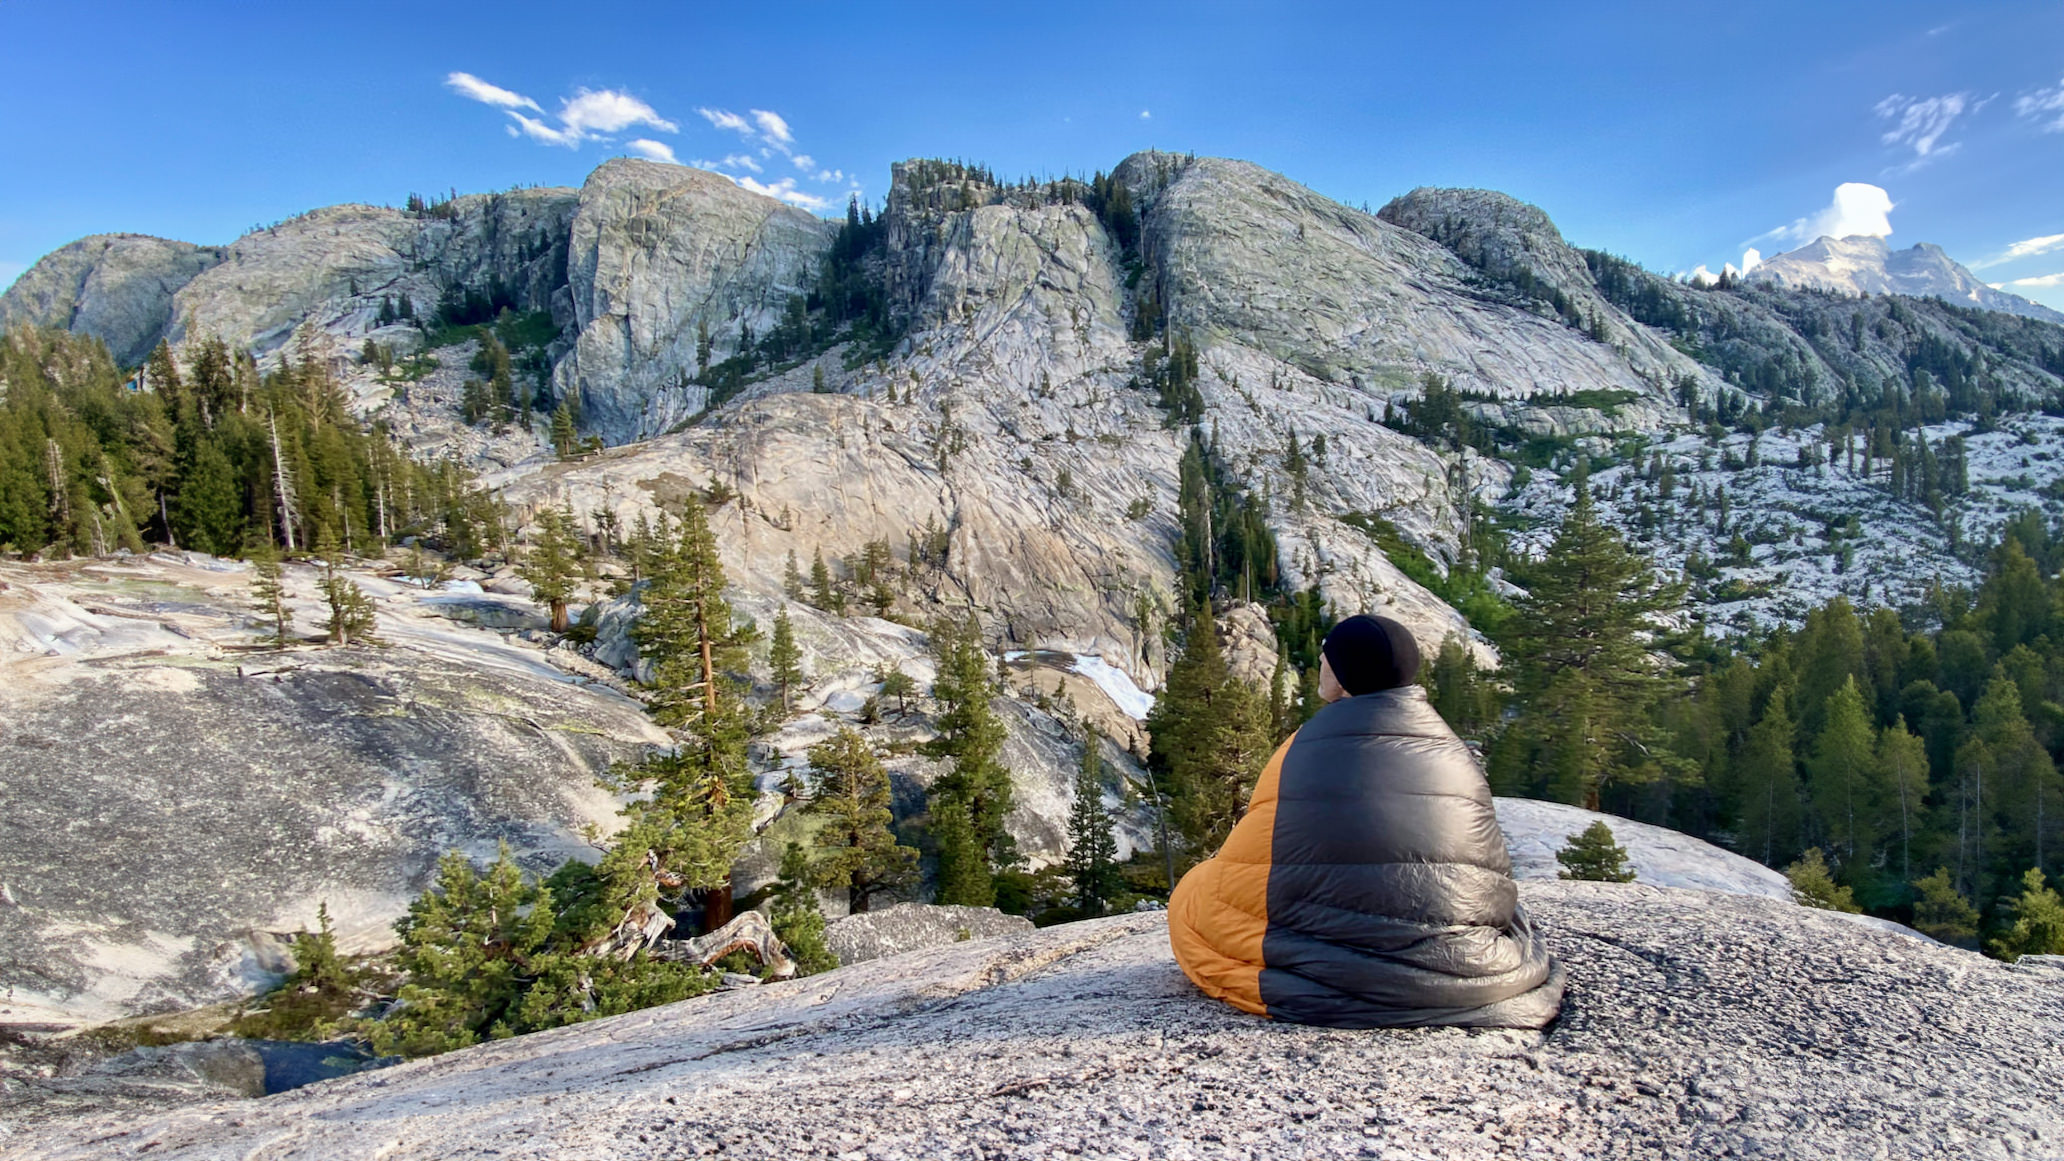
(797, 919)
(322, 989)
(2023, 772)
(856, 849)
(565, 436)
(1942, 913)
(1092, 862)
(1459, 691)
(1586, 684)
(554, 563)
(1814, 886)
(1211, 737)
(698, 813)
(899, 685)
(1843, 777)
(791, 578)
(1768, 785)
(823, 592)
(210, 513)
(2038, 927)
(971, 736)
(964, 877)
(1593, 855)
(269, 590)
(466, 946)
(351, 611)
(1903, 769)
(785, 659)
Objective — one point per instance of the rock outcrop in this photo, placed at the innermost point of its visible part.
(1697, 1025)
(178, 801)
(909, 927)
(660, 257)
(1658, 856)
(116, 287)
(1867, 265)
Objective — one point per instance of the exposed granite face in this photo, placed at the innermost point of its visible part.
(174, 807)
(116, 287)
(908, 927)
(657, 253)
(1697, 1025)
(302, 272)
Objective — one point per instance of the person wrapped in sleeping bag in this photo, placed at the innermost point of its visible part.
(1368, 884)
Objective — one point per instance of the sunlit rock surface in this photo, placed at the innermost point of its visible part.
(1697, 1025)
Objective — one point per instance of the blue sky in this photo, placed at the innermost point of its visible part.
(1677, 138)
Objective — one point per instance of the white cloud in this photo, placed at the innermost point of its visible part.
(2025, 248)
(593, 113)
(1857, 208)
(742, 161)
(773, 130)
(537, 130)
(804, 162)
(587, 116)
(2045, 105)
(473, 88)
(2037, 281)
(653, 150)
(1145, 115)
(728, 121)
(1920, 122)
(785, 190)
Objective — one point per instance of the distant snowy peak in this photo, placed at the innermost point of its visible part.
(1866, 265)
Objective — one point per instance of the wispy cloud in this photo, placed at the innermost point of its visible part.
(652, 150)
(2025, 248)
(588, 115)
(785, 190)
(1146, 115)
(2037, 282)
(2044, 105)
(473, 88)
(1857, 208)
(767, 135)
(1920, 122)
(728, 121)
(773, 130)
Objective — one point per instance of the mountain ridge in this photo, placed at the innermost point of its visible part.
(1865, 264)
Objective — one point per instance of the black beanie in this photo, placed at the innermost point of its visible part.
(1370, 654)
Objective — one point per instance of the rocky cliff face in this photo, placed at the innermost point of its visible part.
(118, 287)
(1696, 1025)
(659, 257)
(328, 270)
(1866, 265)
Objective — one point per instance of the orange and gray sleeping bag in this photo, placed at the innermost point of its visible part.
(1368, 885)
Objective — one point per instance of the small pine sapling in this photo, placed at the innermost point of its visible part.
(1593, 856)
(1814, 886)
